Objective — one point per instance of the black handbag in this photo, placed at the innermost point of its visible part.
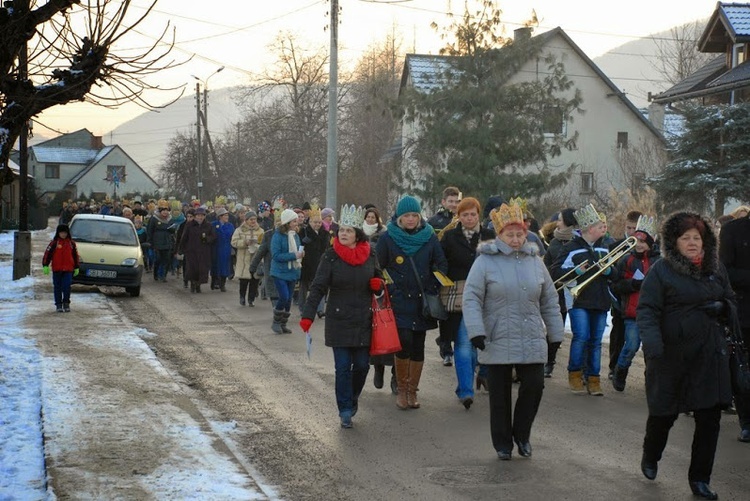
(432, 306)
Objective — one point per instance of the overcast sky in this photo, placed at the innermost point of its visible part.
(237, 35)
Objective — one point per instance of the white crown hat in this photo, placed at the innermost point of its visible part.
(351, 216)
(647, 225)
(587, 216)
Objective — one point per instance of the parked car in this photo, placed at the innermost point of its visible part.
(109, 250)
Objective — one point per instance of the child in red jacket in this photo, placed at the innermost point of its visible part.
(62, 255)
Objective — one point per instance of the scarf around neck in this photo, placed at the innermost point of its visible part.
(410, 243)
(565, 235)
(370, 229)
(297, 263)
(356, 256)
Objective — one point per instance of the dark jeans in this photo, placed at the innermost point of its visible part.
(249, 286)
(352, 365)
(742, 404)
(412, 345)
(500, 379)
(163, 262)
(285, 288)
(304, 291)
(61, 282)
(616, 338)
(707, 424)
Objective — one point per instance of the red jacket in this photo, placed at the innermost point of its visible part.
(61, 254)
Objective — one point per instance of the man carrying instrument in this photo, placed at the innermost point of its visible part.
(588, 317)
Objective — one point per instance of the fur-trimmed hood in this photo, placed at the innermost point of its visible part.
(497, 246)
(670, 232)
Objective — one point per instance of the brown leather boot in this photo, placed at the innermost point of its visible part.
(415, 373)
(594, 386)
(575, 380)
(402, 378)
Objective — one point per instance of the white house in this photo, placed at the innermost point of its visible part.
(80, 164)
(608, 126)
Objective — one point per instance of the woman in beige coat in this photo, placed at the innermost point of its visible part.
(510, 307)
(246, 239)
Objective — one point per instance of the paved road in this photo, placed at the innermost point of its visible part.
(584, 447)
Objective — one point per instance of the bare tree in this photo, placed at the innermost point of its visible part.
(369, 127)
(677, 55)
(67, 50)
(284, 126)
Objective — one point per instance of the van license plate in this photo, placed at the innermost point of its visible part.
(101, 273)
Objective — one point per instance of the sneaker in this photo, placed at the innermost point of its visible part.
(251, 304)
(66, 309)
(60, 309)
(242, 301)
(448, 360)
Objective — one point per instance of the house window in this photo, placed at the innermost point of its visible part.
(587, 182)
(553, 122)
(622, 140)
(52, 171)
(739, 55)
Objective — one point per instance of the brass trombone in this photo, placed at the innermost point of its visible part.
(564, 280)
(605, 262)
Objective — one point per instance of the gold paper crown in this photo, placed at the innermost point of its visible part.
(522, 203)
(647, 225)
(587, 216)
(220, 200)
(505, 215)
(314, 211)
(351, 216)
(163, 203)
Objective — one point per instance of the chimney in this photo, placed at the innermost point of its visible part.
(97, 143)
(656, 114)
(522, 34)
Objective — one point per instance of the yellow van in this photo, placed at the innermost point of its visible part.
(109, 250)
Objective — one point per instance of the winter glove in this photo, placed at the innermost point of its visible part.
(376, 284)
(76, 272)
(305, 324)
(45, 270)
(636, 284)
(478, 342)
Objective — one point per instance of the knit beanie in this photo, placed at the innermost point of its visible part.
(406, 205)
(287, 216)
(250, 214)
(326, 212)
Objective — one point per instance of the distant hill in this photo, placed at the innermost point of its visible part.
(146, 136)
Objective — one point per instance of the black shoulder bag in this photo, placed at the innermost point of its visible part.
(432, 307)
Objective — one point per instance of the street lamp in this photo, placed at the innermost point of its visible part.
(205, 124)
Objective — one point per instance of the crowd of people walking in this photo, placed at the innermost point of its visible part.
(499, 290)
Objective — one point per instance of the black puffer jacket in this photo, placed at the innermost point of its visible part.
(681, 326)
(348, 309)
(595, 296)
(734, 253)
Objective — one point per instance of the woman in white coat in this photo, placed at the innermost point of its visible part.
(510, 308)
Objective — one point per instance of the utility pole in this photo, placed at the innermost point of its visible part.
(332, 163)
(22, 238)
(198, 155)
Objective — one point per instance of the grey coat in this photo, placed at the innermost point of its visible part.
(509, 298)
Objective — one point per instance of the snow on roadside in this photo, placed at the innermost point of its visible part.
(31, 385)
(22, 473)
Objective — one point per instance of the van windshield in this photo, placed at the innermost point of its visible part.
(103, 232)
